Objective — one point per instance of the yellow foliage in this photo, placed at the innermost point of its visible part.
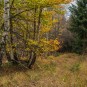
(55, 20)
(43, 45)
(45, 29)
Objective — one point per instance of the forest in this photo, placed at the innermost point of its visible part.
(43, 43)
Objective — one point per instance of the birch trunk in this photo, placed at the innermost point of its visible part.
(7, 27)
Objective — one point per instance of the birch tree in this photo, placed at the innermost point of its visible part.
(5, 40)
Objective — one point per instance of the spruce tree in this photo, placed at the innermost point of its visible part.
(78, 25)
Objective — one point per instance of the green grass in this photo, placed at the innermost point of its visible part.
(66, 70)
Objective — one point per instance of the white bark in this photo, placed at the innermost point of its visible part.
(6, 16)
(7, 25)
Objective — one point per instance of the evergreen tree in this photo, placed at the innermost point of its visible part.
(78, 25)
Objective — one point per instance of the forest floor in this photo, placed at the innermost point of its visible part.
(65, 70)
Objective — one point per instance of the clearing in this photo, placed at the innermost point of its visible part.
(66, 70)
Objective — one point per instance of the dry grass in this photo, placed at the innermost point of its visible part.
(66, 70)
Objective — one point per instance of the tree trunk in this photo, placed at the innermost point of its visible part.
(32, 59)
(5, 31)
(6, 35)
(39, 23)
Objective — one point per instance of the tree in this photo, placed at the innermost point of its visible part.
(5, 34)
(29, 22)
(78, 25)
(6, 42)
